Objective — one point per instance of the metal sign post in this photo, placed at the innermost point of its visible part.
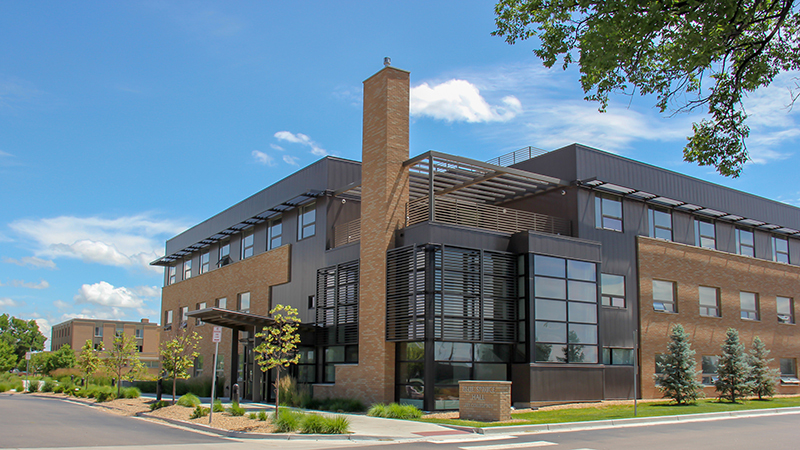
(216, 338)
(635, 369)
(27, 371)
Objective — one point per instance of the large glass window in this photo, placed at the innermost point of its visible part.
(172, 271)
(789, 371)
(749, 302)
(274, 232)
(709, 301)
(244, 302)
(187, 269)
(745, 244)
(664, 296)
(247, 243)
(660, 223)
(785, 309)
(704, 234)
(205, 259)
(306, 221)
(710, 364)
(780, 249)
(565, 310)
(608, 212)
(618, 356)
(612, 290)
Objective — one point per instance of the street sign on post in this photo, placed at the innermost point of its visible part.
(27, 356)
(216, 338)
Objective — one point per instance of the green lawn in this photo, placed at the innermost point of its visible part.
(645, 409)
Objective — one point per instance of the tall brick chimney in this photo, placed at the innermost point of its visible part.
(384, 194)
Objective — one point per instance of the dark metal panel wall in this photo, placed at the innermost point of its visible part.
(566, 383)
(682, 227)
(426, 232)
(564, 246)
(342, 254)
(726, 238)
(763, 244)
(619, 382)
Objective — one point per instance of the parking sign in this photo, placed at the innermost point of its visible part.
(217, 337)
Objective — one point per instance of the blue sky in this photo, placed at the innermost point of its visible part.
(123, 123)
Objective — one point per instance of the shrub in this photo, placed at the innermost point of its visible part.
(291, 394)
(49, 385)
(131, 392)
(105, 395)
(262, 415)
(287, 421)
(252, 416)
(18, 386)
(189, 401)
(4, 387)
(199, 412)
(394, 411)
(318, 424)
(236, 410)
(33, 386)
(377, 410)
(201, 386)
(218, 406)
(335, 404)
(158, 405)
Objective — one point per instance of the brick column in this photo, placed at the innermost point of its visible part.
(384, 194)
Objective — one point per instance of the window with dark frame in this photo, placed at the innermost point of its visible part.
(749, 304)
(705, 235)
(612, 290)
(197, 321)
(785, 306)
(608, 212)
(789, 371)
(173, 274)
(244, 302)
(311, 303)
(664, 296)
(617, 356)
(745, 244)
(222, 303)
(710, 365)
(274, 233)
(224, 253)
(187, 269)
(709, 301)
(205, 260)
(660, 221)
(306, 221)
(780, 249)
(247, 243)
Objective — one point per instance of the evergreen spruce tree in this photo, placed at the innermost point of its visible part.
(678, 377)
(733, 372)
(762, 378)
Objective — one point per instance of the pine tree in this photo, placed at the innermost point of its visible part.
(678, 379)
(761, 378)
(733, 371)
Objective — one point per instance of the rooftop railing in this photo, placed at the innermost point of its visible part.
(486, 217)
(523, 154)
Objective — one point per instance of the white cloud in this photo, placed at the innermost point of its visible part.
(130, 241)
(302, 139)
(7, 302)
(4, 238)
(43, 284)
(61, 304)
(147, 291)
(772, 119)
(277, 147)
(263, 158)
(104, 294)
(31, 261)
(291, 160)
(460, 101)
(2, 153)
(44, 328)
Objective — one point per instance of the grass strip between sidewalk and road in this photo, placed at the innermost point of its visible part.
(624, 411)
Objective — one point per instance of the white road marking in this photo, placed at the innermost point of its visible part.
(470, 439)
(508, 446)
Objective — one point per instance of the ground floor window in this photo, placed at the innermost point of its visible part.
(337, 354)
(618, 356)
(789, 371)
(710, 364)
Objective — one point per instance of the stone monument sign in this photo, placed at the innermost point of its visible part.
(486, 401)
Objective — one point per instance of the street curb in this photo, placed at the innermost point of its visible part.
(614, 423)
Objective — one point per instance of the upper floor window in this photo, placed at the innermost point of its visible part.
(138, 333)
(173, 274)
(201, 305)
(168, 317)
(704, 234)
(745, 245)
(274, 232)
(664, 296)
(98, 331)
(247, 244)
(780, 249)
(184, 313)
(749, 303)
(608, 212)
(224, 254)
(306, 221)
(187, 269)
(244, 302)
(612, 290)
(222, 303)
(119, 330)
(660, 223)
(205, 259)
(709, 301)
(785, 309)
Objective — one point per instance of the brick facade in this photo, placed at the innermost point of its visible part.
(690, 267)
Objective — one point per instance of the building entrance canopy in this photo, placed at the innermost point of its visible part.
(237, 320)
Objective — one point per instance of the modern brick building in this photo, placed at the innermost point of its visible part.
(546, 269)
(75, 333)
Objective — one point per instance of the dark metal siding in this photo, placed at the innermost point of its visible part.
(427, 232)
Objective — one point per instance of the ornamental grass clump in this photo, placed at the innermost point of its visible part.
(131, 392)
(394, 411)
(189, 401)
(236, 410)
(286, 421)
(218, 406)
(33, 386)
(158, 405)
(49, 385)
(262, 415)
(319, 424)
(199, 412)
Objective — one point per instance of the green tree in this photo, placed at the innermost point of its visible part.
(88, 360)
(678, 377)
(279, 346)
(8, 359)
(22, 335)
(122, 360)
(63, 358)
(762, 379)
(178, 356)
(733, 371)
(672, 49)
